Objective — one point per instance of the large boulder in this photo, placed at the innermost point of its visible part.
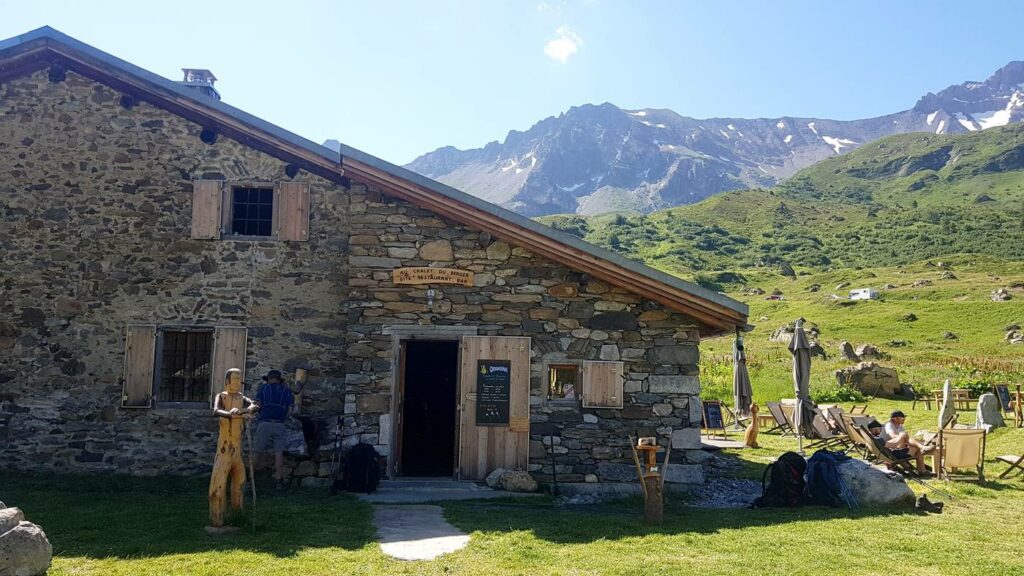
(872, 379)
(989, 414)
(846, 352)
(868, 352)
(511, 480)
(24, 549)
(874, 485)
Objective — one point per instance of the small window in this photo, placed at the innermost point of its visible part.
(185, 358)
(562, 381)
(252, 211)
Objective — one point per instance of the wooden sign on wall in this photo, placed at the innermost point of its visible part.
(426, 275)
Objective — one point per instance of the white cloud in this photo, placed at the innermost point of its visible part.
(566, 44)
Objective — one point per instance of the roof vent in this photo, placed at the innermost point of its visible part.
(201, 80)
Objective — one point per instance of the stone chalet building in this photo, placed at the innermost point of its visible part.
(154, 236)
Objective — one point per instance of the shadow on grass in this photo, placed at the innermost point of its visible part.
(124, 517)
(624, 518)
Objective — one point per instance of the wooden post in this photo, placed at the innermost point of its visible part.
(654, 501)
(300, 384)
(1019, 409)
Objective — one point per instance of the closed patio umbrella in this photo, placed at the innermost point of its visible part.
(801, 351)
(741, 391)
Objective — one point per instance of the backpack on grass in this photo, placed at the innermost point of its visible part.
(361, 471)
(782, 484)
(825, 485)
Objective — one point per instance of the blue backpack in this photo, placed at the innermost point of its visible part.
(825, 486)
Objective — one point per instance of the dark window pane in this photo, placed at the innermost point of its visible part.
(185, 366)
(252, 211)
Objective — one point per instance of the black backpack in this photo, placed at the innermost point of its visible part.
(361, 469)
(782, 485)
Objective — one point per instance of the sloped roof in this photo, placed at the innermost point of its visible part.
(48, 48)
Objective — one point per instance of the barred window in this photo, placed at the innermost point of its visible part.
(185, 361)
(252, 211)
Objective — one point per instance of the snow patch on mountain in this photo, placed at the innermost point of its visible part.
(837, 144)
(931, 117)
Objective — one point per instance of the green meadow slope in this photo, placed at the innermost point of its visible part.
(940, 208)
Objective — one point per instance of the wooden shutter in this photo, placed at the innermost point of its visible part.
(484, 448)
(293, 211)
(206, 209)
(602, 384)
(139, 360)
(228, 352)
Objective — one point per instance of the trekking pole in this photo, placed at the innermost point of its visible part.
(252, 472)
(930, 487)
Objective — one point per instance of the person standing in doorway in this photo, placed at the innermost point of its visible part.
(276, 403)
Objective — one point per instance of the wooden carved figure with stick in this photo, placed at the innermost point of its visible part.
(750, 436)
(231, 409)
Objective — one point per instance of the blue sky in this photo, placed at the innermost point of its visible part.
(398, 79)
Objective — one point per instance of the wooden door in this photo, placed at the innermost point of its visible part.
(484, 448)
(399, 428)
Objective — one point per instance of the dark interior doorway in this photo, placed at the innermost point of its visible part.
(429, 401)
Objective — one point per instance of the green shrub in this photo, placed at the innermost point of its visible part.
(975, 387)
(835, 394)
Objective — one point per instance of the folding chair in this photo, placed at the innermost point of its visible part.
(961, 449)
(778, 414)
(859, 410)
(836, 414)
(825, 438)
(853, 433)
(1015, 462)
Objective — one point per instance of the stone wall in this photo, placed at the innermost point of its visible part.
(568, 317)
(95, 210)
(95, 206)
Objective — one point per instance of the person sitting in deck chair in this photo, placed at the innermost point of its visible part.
(897, 450)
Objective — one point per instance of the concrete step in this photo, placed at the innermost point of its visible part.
(418, 490)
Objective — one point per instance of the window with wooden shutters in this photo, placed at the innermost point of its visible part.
(139, 358)
(184, 358)
(206, 209)
(293, 211)
(228, 352)
(602, 384)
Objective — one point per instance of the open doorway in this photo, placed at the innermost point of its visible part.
(429, 397)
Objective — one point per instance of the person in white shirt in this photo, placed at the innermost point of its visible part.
(899, 442)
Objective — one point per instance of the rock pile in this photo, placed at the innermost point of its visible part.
(24, 549)
(1001, 295)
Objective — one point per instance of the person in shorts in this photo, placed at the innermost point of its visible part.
(276, 402)
(896, 448)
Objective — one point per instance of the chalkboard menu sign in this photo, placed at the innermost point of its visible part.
(1003, 393)
(713, 419)
(493, 392)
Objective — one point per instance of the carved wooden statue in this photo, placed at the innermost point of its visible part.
(750, 436)
(231, 409)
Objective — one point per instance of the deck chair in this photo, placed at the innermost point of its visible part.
(1015, 462)
(903, 465)
(836, 413)
(775, 408)
(735, 419)
(853, 433)
(859, 410)
(824, 437)
(961, 449)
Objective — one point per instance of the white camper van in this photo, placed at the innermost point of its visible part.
(864, 294)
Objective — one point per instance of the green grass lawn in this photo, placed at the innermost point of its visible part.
(120, 526)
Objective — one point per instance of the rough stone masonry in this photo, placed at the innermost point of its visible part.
(96, 205)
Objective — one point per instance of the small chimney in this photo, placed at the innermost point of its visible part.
(201, 80)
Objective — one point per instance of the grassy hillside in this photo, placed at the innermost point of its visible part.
(900, 200)
(886, 214)
(917, 346)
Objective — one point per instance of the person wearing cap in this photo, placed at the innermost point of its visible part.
(900, 443)
(276, 402)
